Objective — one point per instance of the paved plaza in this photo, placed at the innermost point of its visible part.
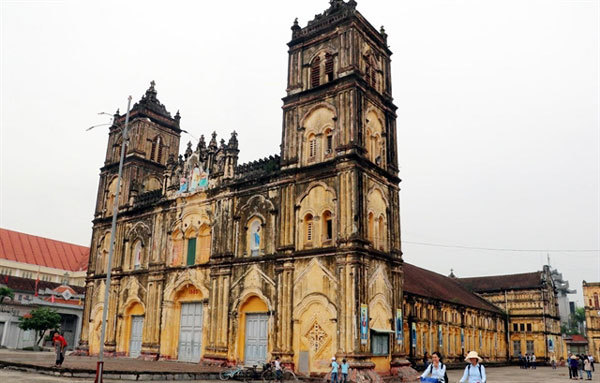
(495, 375)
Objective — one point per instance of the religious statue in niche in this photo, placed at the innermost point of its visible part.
(255, 238)
(137, 257)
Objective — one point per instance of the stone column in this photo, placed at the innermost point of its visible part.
(216, 349)
(85, 322)
(284, 306)
(111, 322)
(151, 329)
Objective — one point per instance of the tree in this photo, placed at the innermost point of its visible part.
(6, 292)
(41, 320)
(576, 321)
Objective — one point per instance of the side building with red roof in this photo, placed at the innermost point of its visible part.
(33, 257)
(40, 272)
(441, 314)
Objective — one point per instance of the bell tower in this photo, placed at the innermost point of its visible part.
(339, 59)
(339, 143)
(153, 139)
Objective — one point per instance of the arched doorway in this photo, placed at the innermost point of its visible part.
(134, 325)
(253, 334)
(182, 335)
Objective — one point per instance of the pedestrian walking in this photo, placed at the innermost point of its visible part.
(60, 344)
(345, 368)
(521, 361)
(553, 363)
(587, 366)
(436, 369)
(591, 358)
(527, 361)
(532, 357)
(334, 370)
(475, 371)
(573, 367)
(580, 366)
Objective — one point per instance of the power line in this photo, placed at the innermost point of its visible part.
(499, 249)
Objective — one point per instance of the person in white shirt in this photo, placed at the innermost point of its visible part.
(474, 372)
(436, 369)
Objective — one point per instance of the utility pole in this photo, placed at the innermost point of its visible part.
(113, 229)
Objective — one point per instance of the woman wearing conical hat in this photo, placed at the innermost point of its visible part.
(474, 372)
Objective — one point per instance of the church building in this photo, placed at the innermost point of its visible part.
(296, 255)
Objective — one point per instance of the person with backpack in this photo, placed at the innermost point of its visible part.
(345, 369)
(436, 369)
(474, 372)
(334, 370)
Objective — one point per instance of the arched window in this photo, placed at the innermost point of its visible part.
(381, 233)
(371, 228)
(596, 302)
(110, 197)
(329, 66)
(101, 261)
(204, 239)
(156, 150)
(254, 237)
(370, 73)
(308, 228)
(191, 251)
(328, 134)
(312, 147)
(327, 226)
(137, 255)
(315, 72)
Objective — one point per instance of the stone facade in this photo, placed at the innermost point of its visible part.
(530, 300)
(226, 263)
(443, 315)
(591, 301)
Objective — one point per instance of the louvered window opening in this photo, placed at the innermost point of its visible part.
(160, 147)
(329, 67)
(315, 72)
(153, 150)
(309, 233)
(312, 148)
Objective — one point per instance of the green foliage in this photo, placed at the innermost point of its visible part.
(6, 292)
(40, 320)
(576, 321)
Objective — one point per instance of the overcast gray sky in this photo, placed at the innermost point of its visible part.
(497, 121)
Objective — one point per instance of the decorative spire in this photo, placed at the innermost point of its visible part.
(213, 141)
(382, 32)
(222, 143)
(295, 26)
(188, 151)
(150, 101)
(233, 142)
(177, 115)
(202, 143)
(452, 274)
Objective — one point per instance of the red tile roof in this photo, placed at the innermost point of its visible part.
(576, 339)
(428, 284)
(74, 302)
(503, 282)
(34, 250)
(28, 285)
